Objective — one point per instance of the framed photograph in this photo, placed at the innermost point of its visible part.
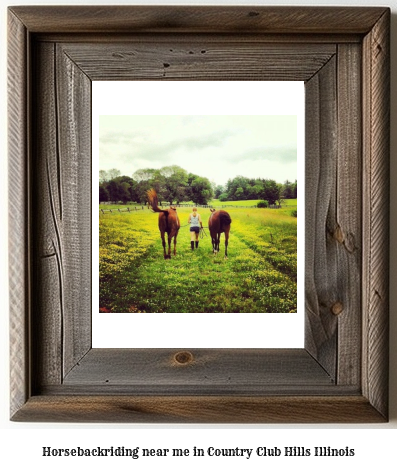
(242, 160)
(58, 58)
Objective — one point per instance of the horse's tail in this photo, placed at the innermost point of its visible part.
(154, 202)
(225, 218)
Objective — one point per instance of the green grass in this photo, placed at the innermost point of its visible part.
(258, 276)
(217, 203)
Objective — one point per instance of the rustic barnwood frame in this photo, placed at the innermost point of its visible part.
(342, 54)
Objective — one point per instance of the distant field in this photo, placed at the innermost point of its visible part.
(259, 275)
(290, 203)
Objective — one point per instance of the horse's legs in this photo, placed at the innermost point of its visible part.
(175, 244)
(226, 241)
(218, 241)
(169, 246)
(163, 242)
(213, 244)
(212, 241)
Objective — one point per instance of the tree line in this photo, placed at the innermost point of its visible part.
(172, 183)
(175, 185)
(242, 188)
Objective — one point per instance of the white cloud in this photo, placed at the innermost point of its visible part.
(217, 147)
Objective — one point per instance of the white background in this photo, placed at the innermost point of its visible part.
(251, 330)
(20, 444)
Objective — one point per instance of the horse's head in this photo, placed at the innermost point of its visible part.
(212, 210)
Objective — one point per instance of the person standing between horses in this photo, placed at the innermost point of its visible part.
(195, 224)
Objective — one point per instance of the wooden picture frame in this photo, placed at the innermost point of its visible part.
(342, 54)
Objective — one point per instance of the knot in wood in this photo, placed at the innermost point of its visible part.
(183, 358)
(337, 308)
(338, 235)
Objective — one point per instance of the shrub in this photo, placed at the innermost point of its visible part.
(263, 204)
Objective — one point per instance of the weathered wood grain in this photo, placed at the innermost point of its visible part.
(47, 317)
(321, 261)
(347, 226)
(338, 378)
(199, 409)
(205, 60)
(194, 39)
(199, 19)
(229, 369)
(376, 92)
(19, 218)
(62, 226)
(74, 135)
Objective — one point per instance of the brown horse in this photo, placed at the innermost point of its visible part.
(219, 222)
(168, 222)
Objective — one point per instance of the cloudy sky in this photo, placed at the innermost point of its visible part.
(216, 147)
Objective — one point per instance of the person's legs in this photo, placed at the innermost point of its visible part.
(192, 239)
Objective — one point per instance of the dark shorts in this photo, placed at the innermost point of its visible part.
(195, 229)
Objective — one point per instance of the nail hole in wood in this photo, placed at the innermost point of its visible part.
(183, 358)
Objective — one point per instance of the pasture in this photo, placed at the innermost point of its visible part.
(258, 276)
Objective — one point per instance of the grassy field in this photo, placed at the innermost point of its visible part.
(258, 276)
(290, 203)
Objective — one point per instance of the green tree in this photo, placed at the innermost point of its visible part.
(103, 176)
(295, 190)
(219, 189)
(145, 179)
(144, 174)
(239, 194)
(174, 181)
(201, 190)
(103, 194)
(287, 190)
(253, 191)
(233, 185)
(271, 191)
(113, 189)
(113, 173)
(124, 192)
(125, 188)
